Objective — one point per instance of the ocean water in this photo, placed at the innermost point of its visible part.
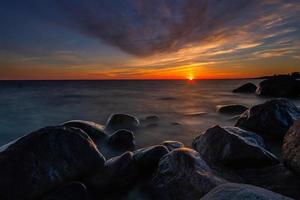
(184, 108)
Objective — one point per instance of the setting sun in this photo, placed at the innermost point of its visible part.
(191, 77)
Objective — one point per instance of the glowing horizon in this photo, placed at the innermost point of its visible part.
(135, 40)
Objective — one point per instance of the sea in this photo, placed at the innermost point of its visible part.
(185, 108)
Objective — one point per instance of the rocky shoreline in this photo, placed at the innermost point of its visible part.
(257, 158)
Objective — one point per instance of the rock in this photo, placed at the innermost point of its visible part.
(118, 175)
(121, 121)
(246, 88)
(181, 175)
(43, 160)
(171, 145)
(233, 191)
(94, 130)
(233, 148)
(279, 87)
(291, 147)
(271, 119)
(276, 178)
(122, 139)
(232, 109)
(147, 158)
(71, 191)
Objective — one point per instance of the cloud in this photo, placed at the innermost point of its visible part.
(143, 27)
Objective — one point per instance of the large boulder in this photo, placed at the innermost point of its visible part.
(276, 178)
(291, 147)
(233, 109)
(118, 175)
(233, 148)
(71, 191)
(271, 119)
(122, 139)
(147, 159)
(43, 160)
(94, 130)
(121, 121)
(279, 87)
(181, 175)
(233, 191)
(246, 88)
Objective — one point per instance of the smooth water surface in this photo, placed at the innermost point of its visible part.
(185, 108)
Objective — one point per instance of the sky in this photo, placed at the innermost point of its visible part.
(148, 39)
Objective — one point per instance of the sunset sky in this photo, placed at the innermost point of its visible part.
(148, 39)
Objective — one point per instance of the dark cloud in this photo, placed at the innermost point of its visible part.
(143, 27)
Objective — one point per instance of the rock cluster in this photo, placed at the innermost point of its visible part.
(68, 161)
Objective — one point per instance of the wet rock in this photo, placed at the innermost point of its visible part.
(276, 178)
(181, 175)
(71, 191)
(94, 130)
(232, 109)
(271, 119)
(291, 147)
(118, 175)
(43, 160)
(233, 191)
(246, 88)
(122, 139)
(233, 148)
(279, 87)
(147, 158)
(121, 121)
(171, 145)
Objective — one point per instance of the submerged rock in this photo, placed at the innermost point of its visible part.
(148, 158)
(246, 88)
(233, 191)
(94, 130)
(232, 109)
(181, 175)
(234, 148)
(271, 119)
(43, 160)
(121, 121)
(291, 147)
(71, 191)
(122, 139)
(171, 145)
(279, 87)
(118, 175)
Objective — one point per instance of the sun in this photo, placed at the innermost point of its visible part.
(191, 77)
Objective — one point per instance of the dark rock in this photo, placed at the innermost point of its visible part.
(246, 88)
(279, 87)
(118, 175)
(181, 175)
(271, 119)
(43, 160)
(276, 178)
(291, 147)
(71, 191)
(232, 109)
(233, 148)
(171, 145)
(94, 130)
(122, 139)
(233, 191)
(152, 125)
(121, 121)
(147, 158)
